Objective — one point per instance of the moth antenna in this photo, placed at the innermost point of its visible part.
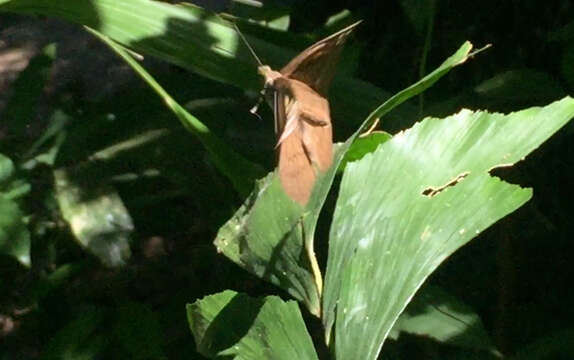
(247, 44)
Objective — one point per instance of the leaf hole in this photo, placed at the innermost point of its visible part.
(433, 191)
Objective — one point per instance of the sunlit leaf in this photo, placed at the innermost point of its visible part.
(241, 327)
(414, 201)
(330, 292)
(364, 145)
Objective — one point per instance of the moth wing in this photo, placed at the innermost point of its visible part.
(315, 66)
(296, 173)
(314, 122)
(318, 143)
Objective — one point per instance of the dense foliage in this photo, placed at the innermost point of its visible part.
(109, 207)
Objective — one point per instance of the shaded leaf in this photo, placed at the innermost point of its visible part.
(80, 338)
(45, 149)
(418, 198)
(241, 327)
(440, 316)
(14, 235)
(96, 215)
(57, 279)
(557, 345)
(240, 171)
(519, 85)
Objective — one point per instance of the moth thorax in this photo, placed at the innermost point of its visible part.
(269, 74)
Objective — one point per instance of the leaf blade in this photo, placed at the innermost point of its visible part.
(387, 240)
(232, 324)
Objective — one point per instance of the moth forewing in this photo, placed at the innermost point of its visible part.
(314, 122)
(305, 139)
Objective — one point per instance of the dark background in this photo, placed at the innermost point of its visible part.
(516, 275)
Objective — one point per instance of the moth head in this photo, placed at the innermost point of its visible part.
(269, 74)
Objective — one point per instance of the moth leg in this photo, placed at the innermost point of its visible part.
(292, 122)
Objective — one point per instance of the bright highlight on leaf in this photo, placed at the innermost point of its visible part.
(97, 216)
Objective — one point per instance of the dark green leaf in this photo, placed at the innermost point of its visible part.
(239, 170)
(80, 338)
(440, 316)
(558, 345)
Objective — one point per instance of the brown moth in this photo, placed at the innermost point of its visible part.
(298, 93)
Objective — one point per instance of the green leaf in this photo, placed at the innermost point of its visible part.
(96, 215)
(438, 315)
(241, 327)
(273, 237)
(44, 150)
(364, 145)
(418, 198)
(6, 169)
(183, 34)
(59, 278)
(329, 295)
(265, 236)
(14, 235)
